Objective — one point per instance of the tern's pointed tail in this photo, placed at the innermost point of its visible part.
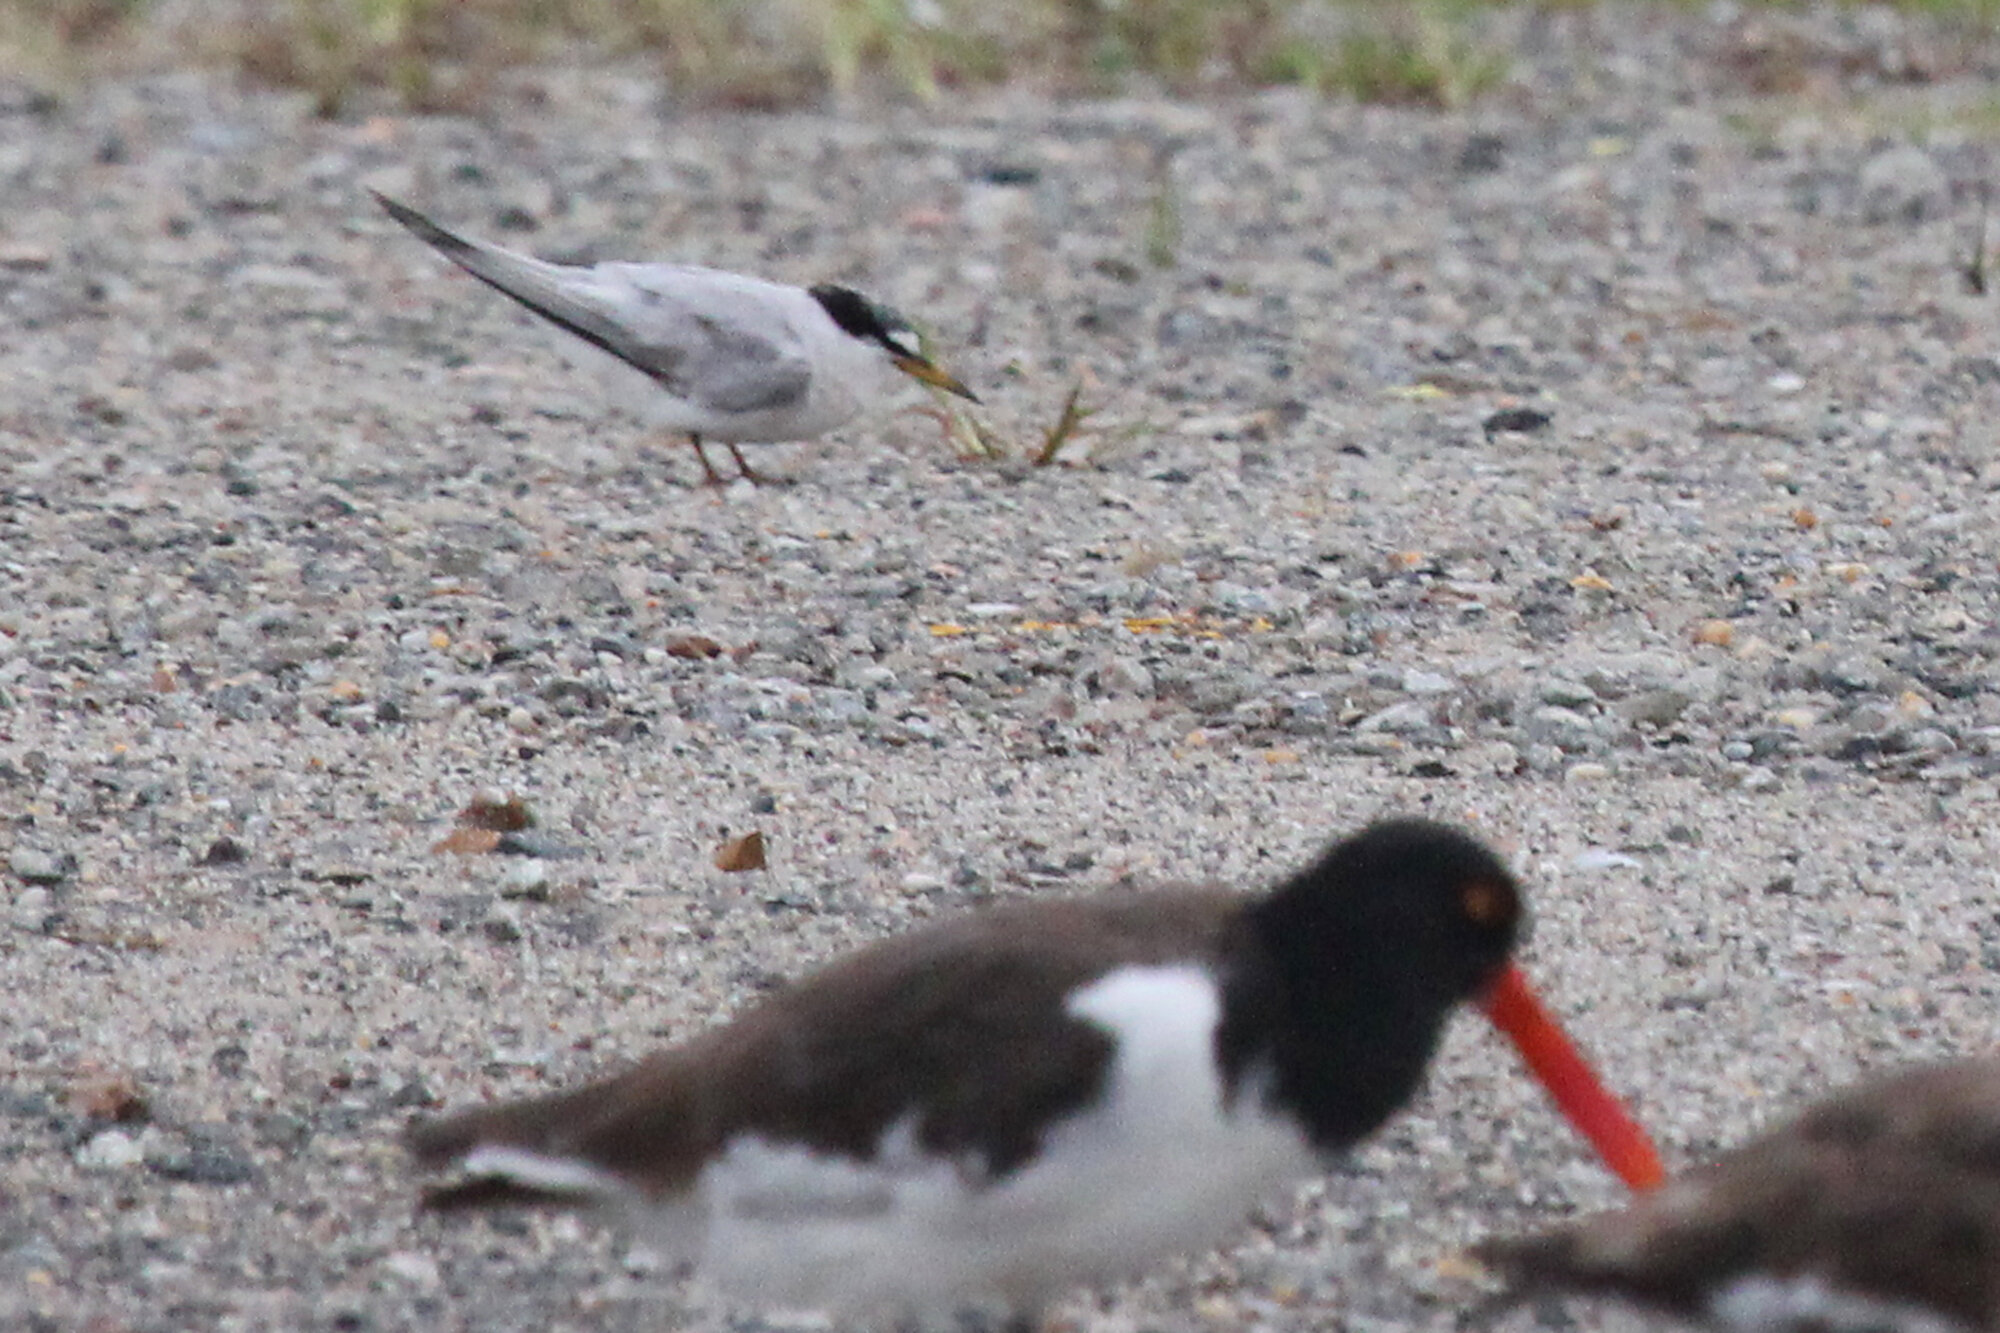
(450, 243)
(555, 293)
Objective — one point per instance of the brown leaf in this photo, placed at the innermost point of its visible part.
(506, 815)
(468, 841)
(695, 647)
(744, 853)
(107, 1094)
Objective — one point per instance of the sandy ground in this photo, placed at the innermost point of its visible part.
(307, 541)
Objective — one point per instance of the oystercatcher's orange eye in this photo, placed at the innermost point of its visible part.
(1486, 903)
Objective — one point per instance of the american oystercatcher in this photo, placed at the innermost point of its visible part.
(1876, 1211)
(987, 1112)
(717, 355)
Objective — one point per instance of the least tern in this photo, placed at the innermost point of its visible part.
(989, 1111)
(720, 356)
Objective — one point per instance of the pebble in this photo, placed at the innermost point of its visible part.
(1404, 719)
(502, 924)
(201, 1161)
(1603, 858)
(30, 909)
(867, 676)
(1902, 184)
(34, 865)
(111, 1150)
(526, 879)
(225, 851)
(1499, 757)
(418, 1270)
(1544, 758)
(1420, 682)
(1120, 676)
(1931, 741)
(1562, 727)
(533, 843)
(1655, 708)
(26, 258)
(1567, 694)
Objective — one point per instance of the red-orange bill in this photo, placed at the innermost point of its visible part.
(1555, 1060)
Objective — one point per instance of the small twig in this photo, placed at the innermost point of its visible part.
(1974, 271)
(1163, 214)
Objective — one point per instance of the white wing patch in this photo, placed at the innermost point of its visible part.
(1156, 1168)
(1764, 1304)
(564, 1175)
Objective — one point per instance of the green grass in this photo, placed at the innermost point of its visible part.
(440, 54)
(58, 34)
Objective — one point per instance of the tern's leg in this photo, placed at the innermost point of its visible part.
(743, 466)
(713, 477)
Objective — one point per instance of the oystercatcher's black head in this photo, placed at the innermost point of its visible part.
(1365, 954)
(1429, 904)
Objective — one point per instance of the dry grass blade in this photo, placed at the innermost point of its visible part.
(1974, 271)
(1163, 216)
(968, 436)
(1074, 414)
(973, 437)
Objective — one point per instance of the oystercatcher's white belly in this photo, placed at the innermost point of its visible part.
(1157, 1167)
(1760, 1303)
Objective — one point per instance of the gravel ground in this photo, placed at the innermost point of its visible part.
(1610, 466)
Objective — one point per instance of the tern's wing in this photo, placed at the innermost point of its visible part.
(723, 342)
(719, 341)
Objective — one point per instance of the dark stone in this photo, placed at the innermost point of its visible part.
(1522, 419)
(225, 851)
